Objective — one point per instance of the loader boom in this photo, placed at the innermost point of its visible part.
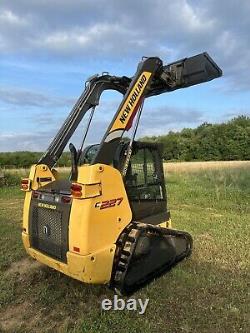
(151, 78)
(89, 98)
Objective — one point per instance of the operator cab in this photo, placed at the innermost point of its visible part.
(88, 154)
(144, 180)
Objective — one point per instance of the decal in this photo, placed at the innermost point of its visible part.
(44, 205)
(108, 203)
(129, 106)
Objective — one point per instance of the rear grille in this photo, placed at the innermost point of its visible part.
(49, 231)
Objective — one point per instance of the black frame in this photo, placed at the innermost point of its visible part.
(145, 209)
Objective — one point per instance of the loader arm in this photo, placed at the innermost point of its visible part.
(150, 79)
(128, 108)
(89, 98)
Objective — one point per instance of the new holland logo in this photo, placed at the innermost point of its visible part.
(44, 205)
(133, 98)
(131, 102)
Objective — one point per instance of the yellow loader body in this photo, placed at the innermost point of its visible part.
(109, 222)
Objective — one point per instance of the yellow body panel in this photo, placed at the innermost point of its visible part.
(92, 228)
(93, 268)
(96, 220)
(166, 224)
(26, 210)
(36, 172)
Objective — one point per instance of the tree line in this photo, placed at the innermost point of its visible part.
(24, 159)
(207, 142)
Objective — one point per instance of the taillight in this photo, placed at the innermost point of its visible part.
(25, 182)
(35, 194)
(76, 190)
(76, 249)
(66, 199)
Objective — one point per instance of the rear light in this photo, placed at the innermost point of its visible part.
(25, 184)
(76, 249)
(66, 199)
(35, 194)
(76, 190)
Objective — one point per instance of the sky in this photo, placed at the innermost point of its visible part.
(49, 48)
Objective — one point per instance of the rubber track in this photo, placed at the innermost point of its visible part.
(126, 245)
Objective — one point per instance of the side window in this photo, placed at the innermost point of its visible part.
(150, 171)
(88, 154)
(142, 179)
(136, 171)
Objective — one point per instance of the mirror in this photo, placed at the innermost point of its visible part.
(73, 152)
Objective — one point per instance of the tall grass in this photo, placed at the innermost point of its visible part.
(215, 188)
(205, 294)
(12, 178)
(210, 165)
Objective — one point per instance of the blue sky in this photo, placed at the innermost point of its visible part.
(49, 48)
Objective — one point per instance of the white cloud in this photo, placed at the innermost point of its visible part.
(9, 18)
(78, 37)
(22, 97)
(161, 120)
(100, 29)
(20, 142)
(192, 17)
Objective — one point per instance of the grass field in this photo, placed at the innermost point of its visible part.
(207, 293)
(211, 165)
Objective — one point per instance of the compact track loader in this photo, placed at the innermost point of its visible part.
(109, 222)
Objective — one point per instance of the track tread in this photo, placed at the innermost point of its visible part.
(126, 245)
